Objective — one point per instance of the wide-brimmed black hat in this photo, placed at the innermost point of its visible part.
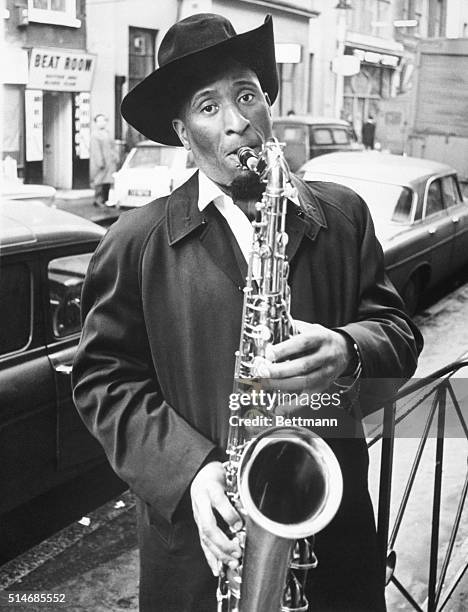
(188, 54)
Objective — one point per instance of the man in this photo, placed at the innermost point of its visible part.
(368, 132)
(103, 160)
(162, 308)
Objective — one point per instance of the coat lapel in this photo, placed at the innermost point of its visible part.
(184, 217)
(222, 247)
(303, 220)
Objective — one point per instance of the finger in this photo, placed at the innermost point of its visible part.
(302, 366)
(301, 343)
(302, 327)
(211, 535)
(220, 556)
(221, 503)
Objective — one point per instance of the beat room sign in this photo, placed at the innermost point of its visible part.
(59, 70)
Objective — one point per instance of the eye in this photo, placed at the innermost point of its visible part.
(247, 98)
(209, 109)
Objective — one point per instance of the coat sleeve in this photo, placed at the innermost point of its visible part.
(388, 341)
(116, 391)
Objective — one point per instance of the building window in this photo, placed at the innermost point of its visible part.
(288, 97)
(57, 12)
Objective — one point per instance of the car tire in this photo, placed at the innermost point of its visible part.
(411, 293)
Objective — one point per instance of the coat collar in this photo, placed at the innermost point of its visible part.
(183, 215)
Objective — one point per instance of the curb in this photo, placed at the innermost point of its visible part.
(74, 194)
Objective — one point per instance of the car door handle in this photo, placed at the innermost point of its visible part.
(64, 368)
(432, 231)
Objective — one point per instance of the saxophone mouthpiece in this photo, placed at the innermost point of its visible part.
(247, 158)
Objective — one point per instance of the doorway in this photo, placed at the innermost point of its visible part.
(57, 131)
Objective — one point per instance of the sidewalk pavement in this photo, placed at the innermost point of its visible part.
(93, 564)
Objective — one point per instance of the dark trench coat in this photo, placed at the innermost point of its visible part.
(162, 313)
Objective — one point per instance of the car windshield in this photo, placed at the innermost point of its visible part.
(386, 202)
(148, 157)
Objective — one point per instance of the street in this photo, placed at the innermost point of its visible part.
(81, 203)
(95, 562)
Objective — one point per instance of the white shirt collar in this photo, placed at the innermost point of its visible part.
(208, 191)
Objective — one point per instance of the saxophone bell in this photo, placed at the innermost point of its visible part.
(290, 487)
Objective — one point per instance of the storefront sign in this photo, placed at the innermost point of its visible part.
(82, 125)
(57, 70)
(33, 116)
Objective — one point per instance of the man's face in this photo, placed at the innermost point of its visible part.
(227, 113)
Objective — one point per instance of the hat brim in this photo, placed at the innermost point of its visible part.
(149, 107)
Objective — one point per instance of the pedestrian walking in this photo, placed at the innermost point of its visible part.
(103, 160)
(368, 132)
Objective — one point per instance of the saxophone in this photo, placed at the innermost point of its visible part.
(285, 481)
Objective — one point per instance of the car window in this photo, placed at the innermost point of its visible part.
(387, 203)
(434, 203)
(450, 191)
(340, 136)
(66, 276)
(295, 138)
(463, 188)
(290, 133)
(322, 136)
(402, 212)
(352, 134)
(15, 306)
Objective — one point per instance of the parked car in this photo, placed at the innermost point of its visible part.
(16, 190)
(309, 136)
(419, 213)
(44, 255)
(150, 171)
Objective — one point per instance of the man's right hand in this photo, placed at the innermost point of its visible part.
(208, 493)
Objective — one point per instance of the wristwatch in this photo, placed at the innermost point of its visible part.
(347, 381)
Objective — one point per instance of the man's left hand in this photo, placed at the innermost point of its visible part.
(309, 361)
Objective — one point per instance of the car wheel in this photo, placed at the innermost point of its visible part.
(411, 293)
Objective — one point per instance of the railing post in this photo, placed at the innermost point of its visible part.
(432, 586)
(385, 489)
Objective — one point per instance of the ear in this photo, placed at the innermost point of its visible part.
(179, 128)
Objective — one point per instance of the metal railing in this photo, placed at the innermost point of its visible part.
(439, 390)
